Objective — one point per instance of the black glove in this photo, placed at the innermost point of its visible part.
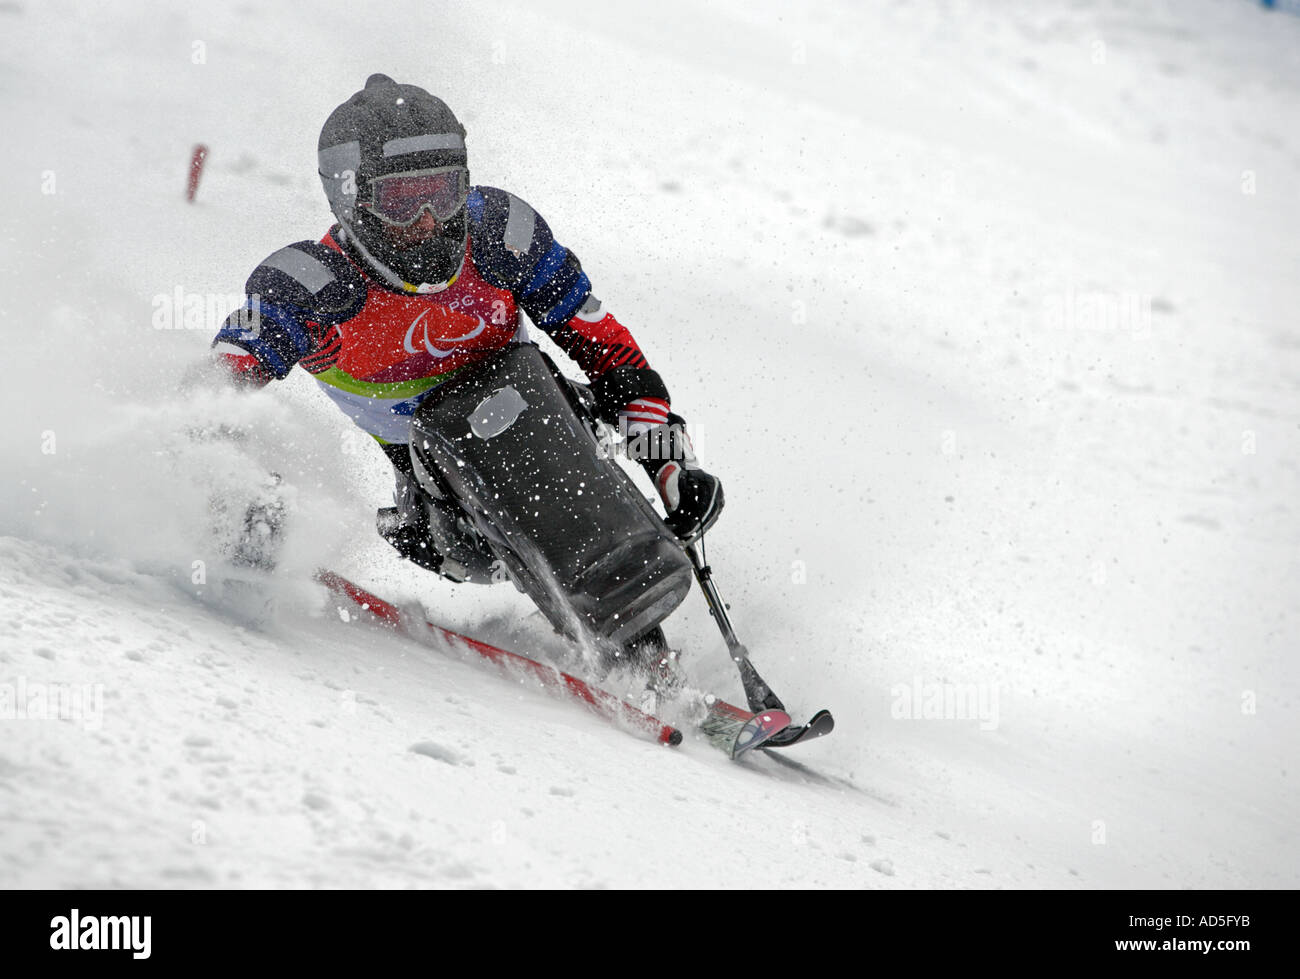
(692, 497)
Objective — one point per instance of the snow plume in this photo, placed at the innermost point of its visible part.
(119, 450)
(111, 289)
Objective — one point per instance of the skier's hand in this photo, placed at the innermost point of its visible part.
(692, 498)
(216, 372)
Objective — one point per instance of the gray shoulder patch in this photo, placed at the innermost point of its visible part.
(520, 222)
(307, 270)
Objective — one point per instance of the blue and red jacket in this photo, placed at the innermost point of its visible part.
(377, 352)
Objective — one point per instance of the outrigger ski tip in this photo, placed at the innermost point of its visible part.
(736, 731)
(759, 730)
(819, 725)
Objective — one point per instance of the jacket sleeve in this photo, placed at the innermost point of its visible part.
(515, 249)
(296, 298)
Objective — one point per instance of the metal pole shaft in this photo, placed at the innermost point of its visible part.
(757, 692)
(704, 575)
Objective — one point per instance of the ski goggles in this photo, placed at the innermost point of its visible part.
(399, 199)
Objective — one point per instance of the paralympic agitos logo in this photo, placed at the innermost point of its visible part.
(410, 348)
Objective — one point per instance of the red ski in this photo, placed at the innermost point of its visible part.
(602, 703)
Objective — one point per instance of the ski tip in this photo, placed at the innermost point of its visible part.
(759, 729)
(818, 726)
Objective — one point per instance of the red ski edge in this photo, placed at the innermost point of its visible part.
(602, 703)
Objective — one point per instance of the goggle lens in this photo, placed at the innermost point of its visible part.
(399, 198)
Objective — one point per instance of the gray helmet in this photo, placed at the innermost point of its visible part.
(391, 128)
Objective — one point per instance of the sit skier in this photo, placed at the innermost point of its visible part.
(424, 275)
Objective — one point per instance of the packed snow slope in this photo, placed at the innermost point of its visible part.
(984, 312)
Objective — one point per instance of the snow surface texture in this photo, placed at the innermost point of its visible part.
(871, 248)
